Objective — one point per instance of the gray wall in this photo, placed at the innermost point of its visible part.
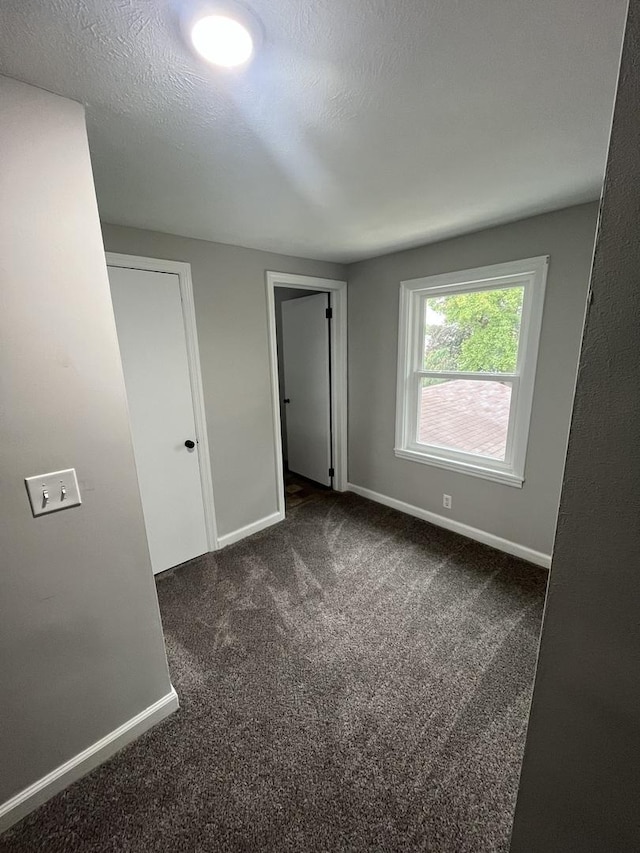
(580, 785)
(231, 316)
(526, 516)
(80, 634)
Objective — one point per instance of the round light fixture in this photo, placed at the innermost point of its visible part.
(222, 40)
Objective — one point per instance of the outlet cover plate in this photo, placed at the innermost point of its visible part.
(52, 492)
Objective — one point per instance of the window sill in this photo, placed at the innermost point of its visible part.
(506, 478)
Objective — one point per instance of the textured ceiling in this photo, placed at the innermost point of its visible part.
(361, 127)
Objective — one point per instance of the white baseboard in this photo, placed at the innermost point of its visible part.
(249, 529)
(498, 542)
(35, 795)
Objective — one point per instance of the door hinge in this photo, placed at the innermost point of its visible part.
(329, 313)
(332, 472)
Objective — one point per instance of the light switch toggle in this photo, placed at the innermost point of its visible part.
(52, 492)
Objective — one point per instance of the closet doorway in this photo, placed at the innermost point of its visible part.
(307, 322)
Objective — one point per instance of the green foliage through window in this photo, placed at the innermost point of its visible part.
(474, 332)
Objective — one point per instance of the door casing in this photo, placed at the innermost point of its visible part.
(338, 291)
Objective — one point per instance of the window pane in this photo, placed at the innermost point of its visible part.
(474, 331)
(468, 415)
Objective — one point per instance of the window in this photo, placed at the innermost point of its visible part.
(468, 344)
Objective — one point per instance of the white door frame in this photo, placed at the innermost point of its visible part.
(183, 271)
(338, 291)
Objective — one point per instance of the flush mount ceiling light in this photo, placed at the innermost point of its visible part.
(225, 34)
(222, 41)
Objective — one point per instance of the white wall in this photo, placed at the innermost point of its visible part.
(580, 785)
(524, 516)
(80, 635)
(231, 316)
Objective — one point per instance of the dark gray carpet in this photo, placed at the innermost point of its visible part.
(353, 679)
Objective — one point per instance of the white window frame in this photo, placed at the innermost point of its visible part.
(531, 274)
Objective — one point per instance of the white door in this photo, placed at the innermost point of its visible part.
(305, 348)
(150, 325)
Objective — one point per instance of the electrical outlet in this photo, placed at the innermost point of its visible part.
(446, 501)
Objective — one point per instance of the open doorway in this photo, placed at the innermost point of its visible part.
(303, 339)
(307, 322)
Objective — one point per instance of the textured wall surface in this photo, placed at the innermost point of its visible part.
(80, 636)
(526, 516)
(231, 316)
(362, 127)
(580, 785)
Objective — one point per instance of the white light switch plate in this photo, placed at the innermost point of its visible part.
(51, 492)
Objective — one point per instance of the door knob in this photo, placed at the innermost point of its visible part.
(190, 444)
(286, 400)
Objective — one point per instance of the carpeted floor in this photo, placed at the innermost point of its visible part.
(352, 679)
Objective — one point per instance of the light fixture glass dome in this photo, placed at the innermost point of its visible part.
(222, 40)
